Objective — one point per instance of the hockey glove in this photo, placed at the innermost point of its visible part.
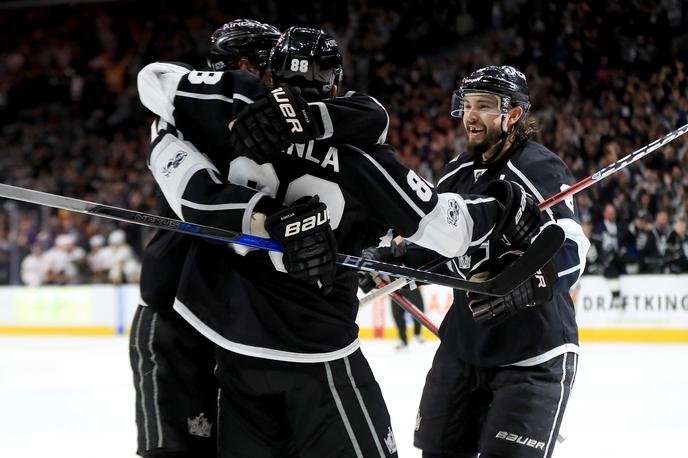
(537, 290)
(394, 254)
(308, 243)
(270, 124)
(521, 219)
(368, 281)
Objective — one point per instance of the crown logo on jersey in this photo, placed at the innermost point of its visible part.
(390, 442)
(465, 261)
(199, 426)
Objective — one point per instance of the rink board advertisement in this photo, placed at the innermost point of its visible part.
(650, 308)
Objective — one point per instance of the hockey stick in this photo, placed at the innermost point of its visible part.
(389, 288)
(498, 286)
(415, 312)
(558, 197)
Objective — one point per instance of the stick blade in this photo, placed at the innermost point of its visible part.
(539, 253)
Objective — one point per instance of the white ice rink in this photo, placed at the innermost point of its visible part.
(73, 398)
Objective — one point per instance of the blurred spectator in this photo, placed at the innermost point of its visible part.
(645, 258)
(124, 267)
(662, 230)
(676, 256)
(609, 239)
(99, 259)
(33, 268)
(62, 261)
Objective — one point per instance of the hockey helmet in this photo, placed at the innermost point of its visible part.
(241, 38)
(307, 58)
(506, 82)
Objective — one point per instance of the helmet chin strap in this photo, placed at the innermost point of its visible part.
(499, 146)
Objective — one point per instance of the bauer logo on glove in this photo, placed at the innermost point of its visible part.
(287, 109)
(306, 224)
(309, 245)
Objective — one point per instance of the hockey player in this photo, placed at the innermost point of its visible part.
(293, 379)
(503, 372)
(176, 390)
(172, 364)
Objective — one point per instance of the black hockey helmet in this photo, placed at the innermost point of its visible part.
(504, 81)
(307, 58)
(241, 38)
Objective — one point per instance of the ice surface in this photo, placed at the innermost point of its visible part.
(73, 397)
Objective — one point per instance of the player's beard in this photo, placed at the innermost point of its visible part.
(490, 139)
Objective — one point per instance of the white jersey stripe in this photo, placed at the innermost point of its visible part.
(395, 185)
(261, 352)
(213, 207)
(326, 119)
(342, 412)
(243, 98)
(194, 95)
(137, 345)
(383, 135)
(221, 98)
(462, 166)
(530, 186)
(363, 408)
(574, 232)
(571, 270)
(561, 400)
(482, 200)
(553, 353)
(154, 376)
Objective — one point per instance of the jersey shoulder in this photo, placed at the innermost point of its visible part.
(537, 161)
(544, 174)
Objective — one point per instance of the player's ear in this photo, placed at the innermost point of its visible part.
(515, 114)
(245, 65)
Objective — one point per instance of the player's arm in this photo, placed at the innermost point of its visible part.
(201, 104)
(447, 223)
(560, 274)
(550, 176)
(282, 117)
(354, 118)
(195, 192)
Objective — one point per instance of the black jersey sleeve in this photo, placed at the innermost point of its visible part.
(446, 223)
(354, 118)
(543, 174)
(200, 104)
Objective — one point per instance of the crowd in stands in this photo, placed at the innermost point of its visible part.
(605, 79)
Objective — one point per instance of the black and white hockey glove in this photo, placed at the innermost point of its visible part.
(308, 243)
(393, 254)
(521, 219)
(537, 290)
(270, 124)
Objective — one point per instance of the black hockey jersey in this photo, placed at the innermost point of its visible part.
(538, 333)
(244, 304)
(238, 297)
(198, 102)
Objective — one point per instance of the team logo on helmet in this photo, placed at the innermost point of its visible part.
(241, 38)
